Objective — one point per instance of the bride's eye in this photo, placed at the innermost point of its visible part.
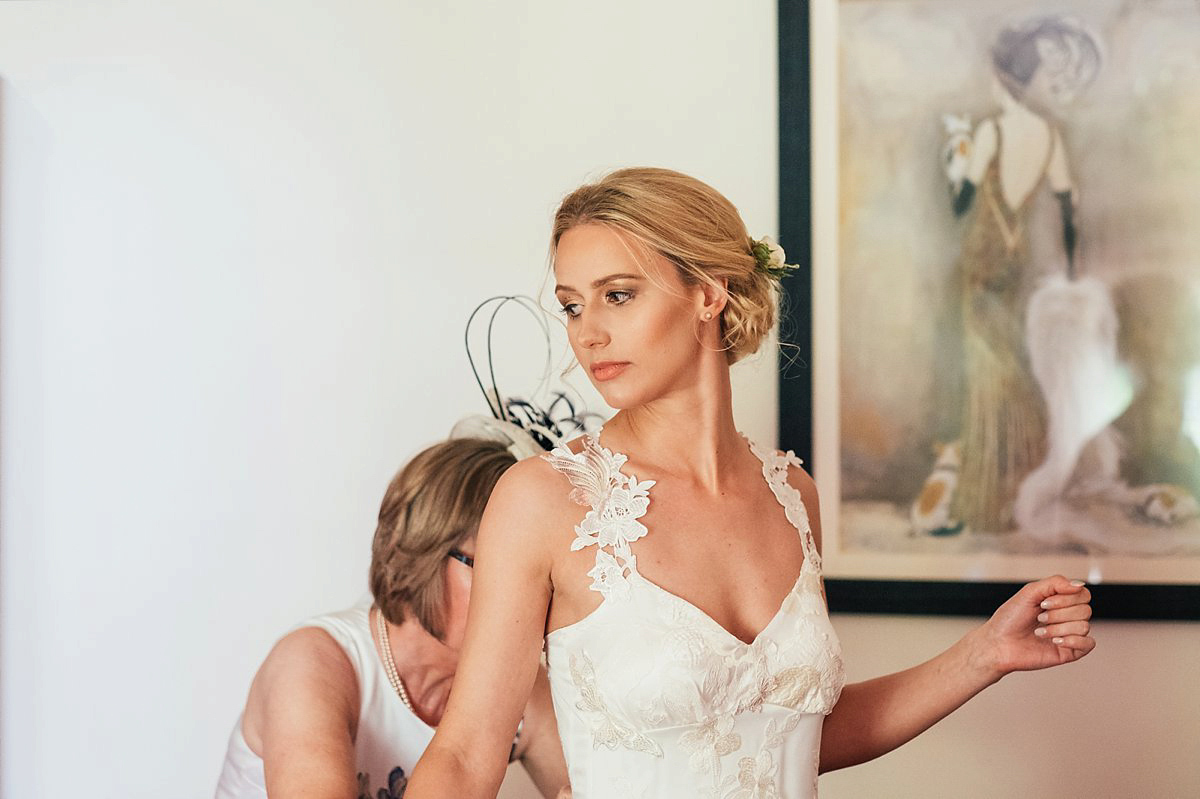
(569, 310)
(619, 296)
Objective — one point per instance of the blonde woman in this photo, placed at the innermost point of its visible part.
(670, 567)
(345, 703)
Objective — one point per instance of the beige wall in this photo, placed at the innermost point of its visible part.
(1121, 723)
(238, 244)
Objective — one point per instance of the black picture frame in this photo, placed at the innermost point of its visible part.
(796, 407)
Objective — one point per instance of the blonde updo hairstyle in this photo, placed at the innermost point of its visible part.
(693, 226)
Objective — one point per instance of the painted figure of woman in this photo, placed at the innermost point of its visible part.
(1035, 64)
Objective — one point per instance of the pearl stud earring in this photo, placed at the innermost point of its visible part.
(707, 315)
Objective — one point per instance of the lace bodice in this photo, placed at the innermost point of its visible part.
(653, 697)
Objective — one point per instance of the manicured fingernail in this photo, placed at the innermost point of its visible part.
(1056, 640)
(1040, 631)
(1043, 617)
(1045, 603)
(1077, 583)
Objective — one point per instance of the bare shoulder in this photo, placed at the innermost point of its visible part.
(986, 140)
(530, 474)
(529, 510)
(986, 131)
(537, 480)
(310, 652)
(531, 483)
(306, 673)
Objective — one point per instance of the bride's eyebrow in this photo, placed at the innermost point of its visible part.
(598, 283)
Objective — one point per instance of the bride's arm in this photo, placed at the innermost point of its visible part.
(510, 595)
(1045, 624)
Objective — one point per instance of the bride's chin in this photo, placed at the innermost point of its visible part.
(621, 398)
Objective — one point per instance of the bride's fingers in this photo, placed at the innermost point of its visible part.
(1071, 613)
(1079, 645)
(1070, 628)
(1048, 589)
(1065, 600)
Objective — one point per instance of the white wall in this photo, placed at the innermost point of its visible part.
(238, 243)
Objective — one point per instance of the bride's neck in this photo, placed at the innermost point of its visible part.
(689, 431)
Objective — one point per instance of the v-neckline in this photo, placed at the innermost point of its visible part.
(692, 606)
(698, 611)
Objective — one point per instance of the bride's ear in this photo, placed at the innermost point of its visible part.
(712, 298)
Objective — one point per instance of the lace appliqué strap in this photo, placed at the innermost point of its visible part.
(775, 470)
(616, 500)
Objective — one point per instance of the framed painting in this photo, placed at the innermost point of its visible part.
(994, 369)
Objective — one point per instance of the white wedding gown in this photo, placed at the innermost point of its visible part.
(653, 697)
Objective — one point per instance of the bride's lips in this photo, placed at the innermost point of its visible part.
(607, 370)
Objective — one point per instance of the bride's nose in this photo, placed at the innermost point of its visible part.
(591, 332)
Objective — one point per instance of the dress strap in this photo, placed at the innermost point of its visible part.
(775, 471)
(616, 501)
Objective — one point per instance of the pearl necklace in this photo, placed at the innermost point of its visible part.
(389, 665)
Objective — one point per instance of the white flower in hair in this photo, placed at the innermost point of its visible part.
(770, 257)
(778, 256)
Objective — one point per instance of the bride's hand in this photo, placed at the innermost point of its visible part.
(1044, 624)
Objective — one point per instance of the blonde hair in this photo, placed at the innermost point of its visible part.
(433, 505)
(695, 227)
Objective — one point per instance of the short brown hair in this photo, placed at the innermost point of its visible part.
(696, 228)
(432, 506)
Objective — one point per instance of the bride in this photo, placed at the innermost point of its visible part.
(670, 567)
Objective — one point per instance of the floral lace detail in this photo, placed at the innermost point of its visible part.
(756, 777)
(775, 470)
(675, 684)
(714, 739)
(607, 730)
(617, 501)
(708, 743)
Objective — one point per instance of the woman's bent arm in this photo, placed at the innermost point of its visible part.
(301, 718)
(510, 595)
(1044, 624)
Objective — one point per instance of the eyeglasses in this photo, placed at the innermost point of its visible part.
(463, 557)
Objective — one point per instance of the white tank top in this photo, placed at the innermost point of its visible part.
(390, 736)
(654, 698)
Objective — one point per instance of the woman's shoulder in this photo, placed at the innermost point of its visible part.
(309, 649)
(535, 483)
(800, 480)
(307, 673)
(794, 474)
(549, 475)
(782, 460)
(798, 476)
(537, 476)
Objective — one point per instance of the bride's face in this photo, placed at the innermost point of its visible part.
(632, 322)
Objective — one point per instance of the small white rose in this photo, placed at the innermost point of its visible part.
(778, 256)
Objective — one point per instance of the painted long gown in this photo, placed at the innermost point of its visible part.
(1004, 416)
